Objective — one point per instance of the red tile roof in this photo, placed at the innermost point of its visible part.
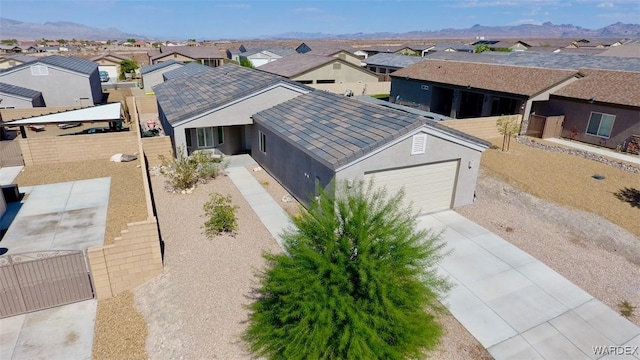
(614, 87)
(520, 80)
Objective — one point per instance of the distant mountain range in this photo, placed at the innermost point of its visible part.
(12, 29)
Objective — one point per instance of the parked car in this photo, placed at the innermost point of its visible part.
(69, 125)
(104, 76)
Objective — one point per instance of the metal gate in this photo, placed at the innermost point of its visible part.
(10, 153)
(40, 280)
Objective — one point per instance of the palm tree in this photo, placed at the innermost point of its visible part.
(357, 281)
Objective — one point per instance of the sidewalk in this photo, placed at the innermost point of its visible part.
(634, 160)
(517, 307)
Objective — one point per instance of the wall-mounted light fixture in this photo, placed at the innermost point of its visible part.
(471, 164)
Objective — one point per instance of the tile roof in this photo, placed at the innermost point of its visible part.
(72, 63)
(545, 60)
(392, 60)
(18, 91)
(157, 66)
(190, 69)
(614, 87)
(117, 56)
(296, 64)
(21, 58)
(194, 52)
(441, 46)
(631, 50)
(527, 81)
(382, 48)
(336, 130)
(278, 50)
(184, 97)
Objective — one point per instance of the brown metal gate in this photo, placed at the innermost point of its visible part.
(10, 153)
(36, 281)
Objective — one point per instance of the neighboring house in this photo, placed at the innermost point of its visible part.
(598, 42)
(213, 109)
(314, 139)
(631, 50)
(9, 61)
(190, 69)
(449, 47)
(205, 55)
(602, 108)
(152, 75)
(413, 50)
(383, 63)
(341, 51)
(110, 63)
(468, 90)
(511, 45)
(10, 49)
(63, 81)
(12, 96)
(314, 69)
(260, 55)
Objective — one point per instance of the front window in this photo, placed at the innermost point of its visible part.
(205, 137)
(600, 124)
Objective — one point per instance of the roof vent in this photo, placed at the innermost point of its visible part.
(419, 144)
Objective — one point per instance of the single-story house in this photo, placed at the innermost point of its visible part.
(602, 108)
(9, 61)
(338, 50)
(449, 47)
(190, 69)
(152, 75)
(469, 90)
(384, 63)
(12, 96)
(413, 50)
(213, 109)
(78, 77)
(110, 63)
(260, 55)
(326, 137)
(316, 69)
(205, 55)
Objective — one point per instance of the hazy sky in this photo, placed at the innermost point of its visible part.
(206, 19)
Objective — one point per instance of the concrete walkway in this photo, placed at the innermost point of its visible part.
(596, 150)
(517, 307)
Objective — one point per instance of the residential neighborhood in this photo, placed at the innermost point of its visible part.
(317, 197)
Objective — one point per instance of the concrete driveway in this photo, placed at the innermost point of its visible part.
(64, 332)
(516, 306)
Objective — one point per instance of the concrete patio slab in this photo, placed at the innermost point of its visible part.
(9, 333)
(596, 150)
(615, 327)
(579, 332)
(469, 262)
(555, 285)
(551, 344)
(514, 348)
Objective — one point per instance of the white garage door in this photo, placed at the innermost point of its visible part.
(428, 187)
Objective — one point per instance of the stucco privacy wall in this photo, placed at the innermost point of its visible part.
(147, 104)
(135, 256)
(47, 150)
(155, 146)
(371, 88)
(438, 150)
(485, 127)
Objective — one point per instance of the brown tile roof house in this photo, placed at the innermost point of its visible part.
(604, 86)
(520, 80)
(292, 65)
(193, 52)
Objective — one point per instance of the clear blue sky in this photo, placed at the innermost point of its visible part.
(206, 19)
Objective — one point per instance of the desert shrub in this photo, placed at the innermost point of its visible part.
(220, 214)
(358, 281)
(184, 172)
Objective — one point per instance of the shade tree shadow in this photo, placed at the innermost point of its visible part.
(629, 195)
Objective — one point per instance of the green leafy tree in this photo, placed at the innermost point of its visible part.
(246, 63)
(131, 40)
(127, 66)
(9, 42)
(358, 282)
(62, 41)
(481, 48)
(220, 214)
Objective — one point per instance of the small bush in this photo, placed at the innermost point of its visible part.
(220, 214)
(626, 309)
(265, 182)
(184, 172)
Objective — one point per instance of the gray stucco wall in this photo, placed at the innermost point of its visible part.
(576, 113)
(410, 90)
(236, 114)
(154, 78)
(291, 167)
(438, 150)
(60, 87)
(12, 101)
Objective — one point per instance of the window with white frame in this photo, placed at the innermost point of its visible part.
(220, 135)
(205, 137)
(600, 124)
(262, 142)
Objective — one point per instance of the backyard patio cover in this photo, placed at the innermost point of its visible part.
(108, 112)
